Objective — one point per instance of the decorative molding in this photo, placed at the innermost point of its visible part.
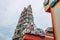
(46, 2)
(53, 3)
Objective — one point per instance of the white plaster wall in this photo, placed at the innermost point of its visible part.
(57, 19)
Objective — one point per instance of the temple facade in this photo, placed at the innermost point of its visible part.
(53, 7)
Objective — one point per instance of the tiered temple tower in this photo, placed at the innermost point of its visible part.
(26, 17)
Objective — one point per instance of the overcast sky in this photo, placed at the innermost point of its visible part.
(10, 11)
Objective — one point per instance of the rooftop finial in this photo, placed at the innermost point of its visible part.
(29, 6)
(24, 8)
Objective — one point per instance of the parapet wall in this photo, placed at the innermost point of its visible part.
(33, 37)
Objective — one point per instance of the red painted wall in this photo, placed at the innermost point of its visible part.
(32, 37)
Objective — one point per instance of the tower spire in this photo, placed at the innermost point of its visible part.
(26, 17)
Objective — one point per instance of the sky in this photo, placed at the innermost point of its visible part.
(10, 11)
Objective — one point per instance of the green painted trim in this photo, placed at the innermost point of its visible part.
(53, 3)
(38, 29)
